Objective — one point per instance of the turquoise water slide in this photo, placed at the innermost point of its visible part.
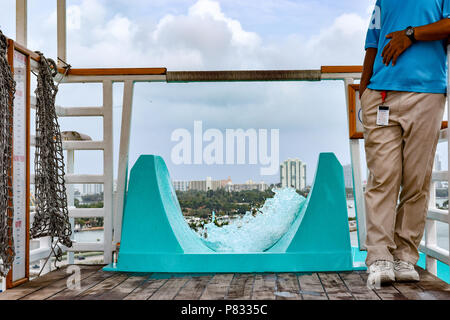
(156, 238)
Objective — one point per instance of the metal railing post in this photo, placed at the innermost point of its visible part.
(355, 155)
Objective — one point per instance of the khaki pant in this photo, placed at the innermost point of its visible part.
(399, 155)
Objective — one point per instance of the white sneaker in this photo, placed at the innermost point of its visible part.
(405, 271)
(380, 272)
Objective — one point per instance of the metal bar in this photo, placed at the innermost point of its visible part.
(244, 75)
(436, 214)
(86, 212)
(123, 158)
(39, 254)
(79, 111)
(340, 76)
(78, 178)
(108, 168)
(435, 252)
(83, 145)
(85, 246)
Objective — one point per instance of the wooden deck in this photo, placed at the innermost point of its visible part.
(99, 285)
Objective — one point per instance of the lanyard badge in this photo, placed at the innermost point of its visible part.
(383, 111)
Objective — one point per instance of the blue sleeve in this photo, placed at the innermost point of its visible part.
(446, 9)
(373, 34)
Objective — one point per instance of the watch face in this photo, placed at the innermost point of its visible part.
(409, 32)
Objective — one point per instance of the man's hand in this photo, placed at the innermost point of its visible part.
(398, 44)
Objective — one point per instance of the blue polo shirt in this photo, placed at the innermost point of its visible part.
(422, 67)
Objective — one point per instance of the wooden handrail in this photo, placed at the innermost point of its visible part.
(341, 69)
(33, 55)
(114, 71)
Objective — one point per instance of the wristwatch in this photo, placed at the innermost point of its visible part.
(410, 34)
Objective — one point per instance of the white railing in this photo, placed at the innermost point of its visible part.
(429, 245)
(106, 145)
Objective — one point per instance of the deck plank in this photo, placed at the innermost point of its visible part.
(60, 285)
(264, 287)
(433, 286)
(357, 286)
(241, 287)
(124, 288)
(98, 284)
(386, 292)
(287, 287)
(101, 288)
(335, 287)
(413, 291)
(34, 285)
(217, 287)
(146, 289)
(86, 284)
(170, 289)
(310, 287)
(194, 288)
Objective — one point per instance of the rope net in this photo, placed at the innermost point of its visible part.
(7, 90)
(52, 217)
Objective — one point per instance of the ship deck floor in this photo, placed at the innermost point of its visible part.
(100, 285)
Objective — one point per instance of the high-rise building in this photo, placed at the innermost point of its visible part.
(90, 188)
(348, 176)
(438, 167)
(293, 174)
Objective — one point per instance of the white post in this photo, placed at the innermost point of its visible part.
(44, 264)
(357, 180)
(21, 22)
(70, 198)
(430, 233)
(123, 158)
(61, 30)
(2, 284)
(448, 138)
(108, 169)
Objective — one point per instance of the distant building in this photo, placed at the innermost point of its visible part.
(181, 185)
(201, 185)
(438, 167)
(293, 174)
(249, 185)
(92, 188)
(348, 176)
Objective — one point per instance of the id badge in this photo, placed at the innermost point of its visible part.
(383, 116)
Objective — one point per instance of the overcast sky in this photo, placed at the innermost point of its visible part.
(210, 35)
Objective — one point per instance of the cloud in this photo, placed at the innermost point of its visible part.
(204, 38)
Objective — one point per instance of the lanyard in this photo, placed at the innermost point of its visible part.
(383, 96)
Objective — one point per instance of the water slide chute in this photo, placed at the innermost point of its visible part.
(155, 237)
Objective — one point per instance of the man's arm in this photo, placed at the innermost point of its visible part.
(369, 60)
(400, 42)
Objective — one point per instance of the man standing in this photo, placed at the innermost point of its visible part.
(402, 90)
